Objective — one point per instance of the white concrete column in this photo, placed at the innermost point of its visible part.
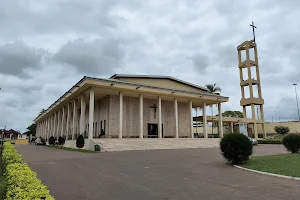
(68, 121)
(159, 118)
(37, 129)
(62, 131)
(121, 115)
(204, 120)
(52, 125)
(176, 118)
(44, 128)
(191, 121)
(231, 127)
(74, 118)
(40, 129)
(220, 121)
(91, 113)
(82, 114)
(55, 124)
(58, 124)
(141, 117)
(48, 130)
(41, 134)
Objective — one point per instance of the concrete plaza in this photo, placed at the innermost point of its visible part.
(154, 174)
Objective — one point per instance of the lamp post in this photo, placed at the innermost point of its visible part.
(295, 84)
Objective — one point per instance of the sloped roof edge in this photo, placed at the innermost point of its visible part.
(157, 77)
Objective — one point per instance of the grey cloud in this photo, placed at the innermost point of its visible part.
(285, 110)
(16, 57)
(200, 62)
(147, 39)
(55, 16)
(96, 56)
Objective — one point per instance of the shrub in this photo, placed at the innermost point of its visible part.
(21, 181)
(10, 155)
(80, 141)
(282, 129)
(269, 141)
(51, 140)
(236, 147)
(61, 140)
(292, 142)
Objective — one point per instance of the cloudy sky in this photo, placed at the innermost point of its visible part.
(47, 46)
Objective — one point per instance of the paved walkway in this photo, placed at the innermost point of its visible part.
(150, 175)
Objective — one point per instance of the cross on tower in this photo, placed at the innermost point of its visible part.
(253, 27)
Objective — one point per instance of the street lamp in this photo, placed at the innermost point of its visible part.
(295, 84)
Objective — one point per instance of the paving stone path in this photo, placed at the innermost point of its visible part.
(154, 174)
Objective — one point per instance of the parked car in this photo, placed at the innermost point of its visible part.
(254, 141)
(40, 141)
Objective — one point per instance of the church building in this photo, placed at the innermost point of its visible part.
(128, 106)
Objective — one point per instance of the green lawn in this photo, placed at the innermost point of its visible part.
(283, 164)
(2, 181)
(70, 149)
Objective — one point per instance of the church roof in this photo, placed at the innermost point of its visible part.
(116, 76)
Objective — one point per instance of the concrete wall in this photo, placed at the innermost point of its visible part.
(294, 126)
(166, 83)
(209, 130)
(88, 144)
(131, 117)
(184, 119)
(101, 108)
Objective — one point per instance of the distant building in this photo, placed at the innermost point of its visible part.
(11, 134)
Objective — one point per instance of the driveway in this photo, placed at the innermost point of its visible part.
(150, 175)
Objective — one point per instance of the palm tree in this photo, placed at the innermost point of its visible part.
(42, 111)
(214, 89)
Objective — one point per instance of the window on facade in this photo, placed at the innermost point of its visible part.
(96, 128)
(104, 127)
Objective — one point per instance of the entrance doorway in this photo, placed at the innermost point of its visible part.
(153, 130)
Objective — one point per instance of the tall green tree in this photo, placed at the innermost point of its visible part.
(214, 89)
(235, 113)
(31, 130)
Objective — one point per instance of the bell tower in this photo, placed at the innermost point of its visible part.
(250, 80)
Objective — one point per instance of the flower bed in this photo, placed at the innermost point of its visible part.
(22, 182)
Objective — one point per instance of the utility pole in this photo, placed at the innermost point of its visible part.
(295, 84)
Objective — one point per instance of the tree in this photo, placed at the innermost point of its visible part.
(235, 113)
(80, 141)
(31, 130)
(214, 89)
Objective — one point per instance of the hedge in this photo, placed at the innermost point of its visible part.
(22, 182)
(269, 141)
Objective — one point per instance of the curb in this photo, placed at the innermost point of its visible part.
(269, 174)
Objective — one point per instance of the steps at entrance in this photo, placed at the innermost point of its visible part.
(128, 144)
